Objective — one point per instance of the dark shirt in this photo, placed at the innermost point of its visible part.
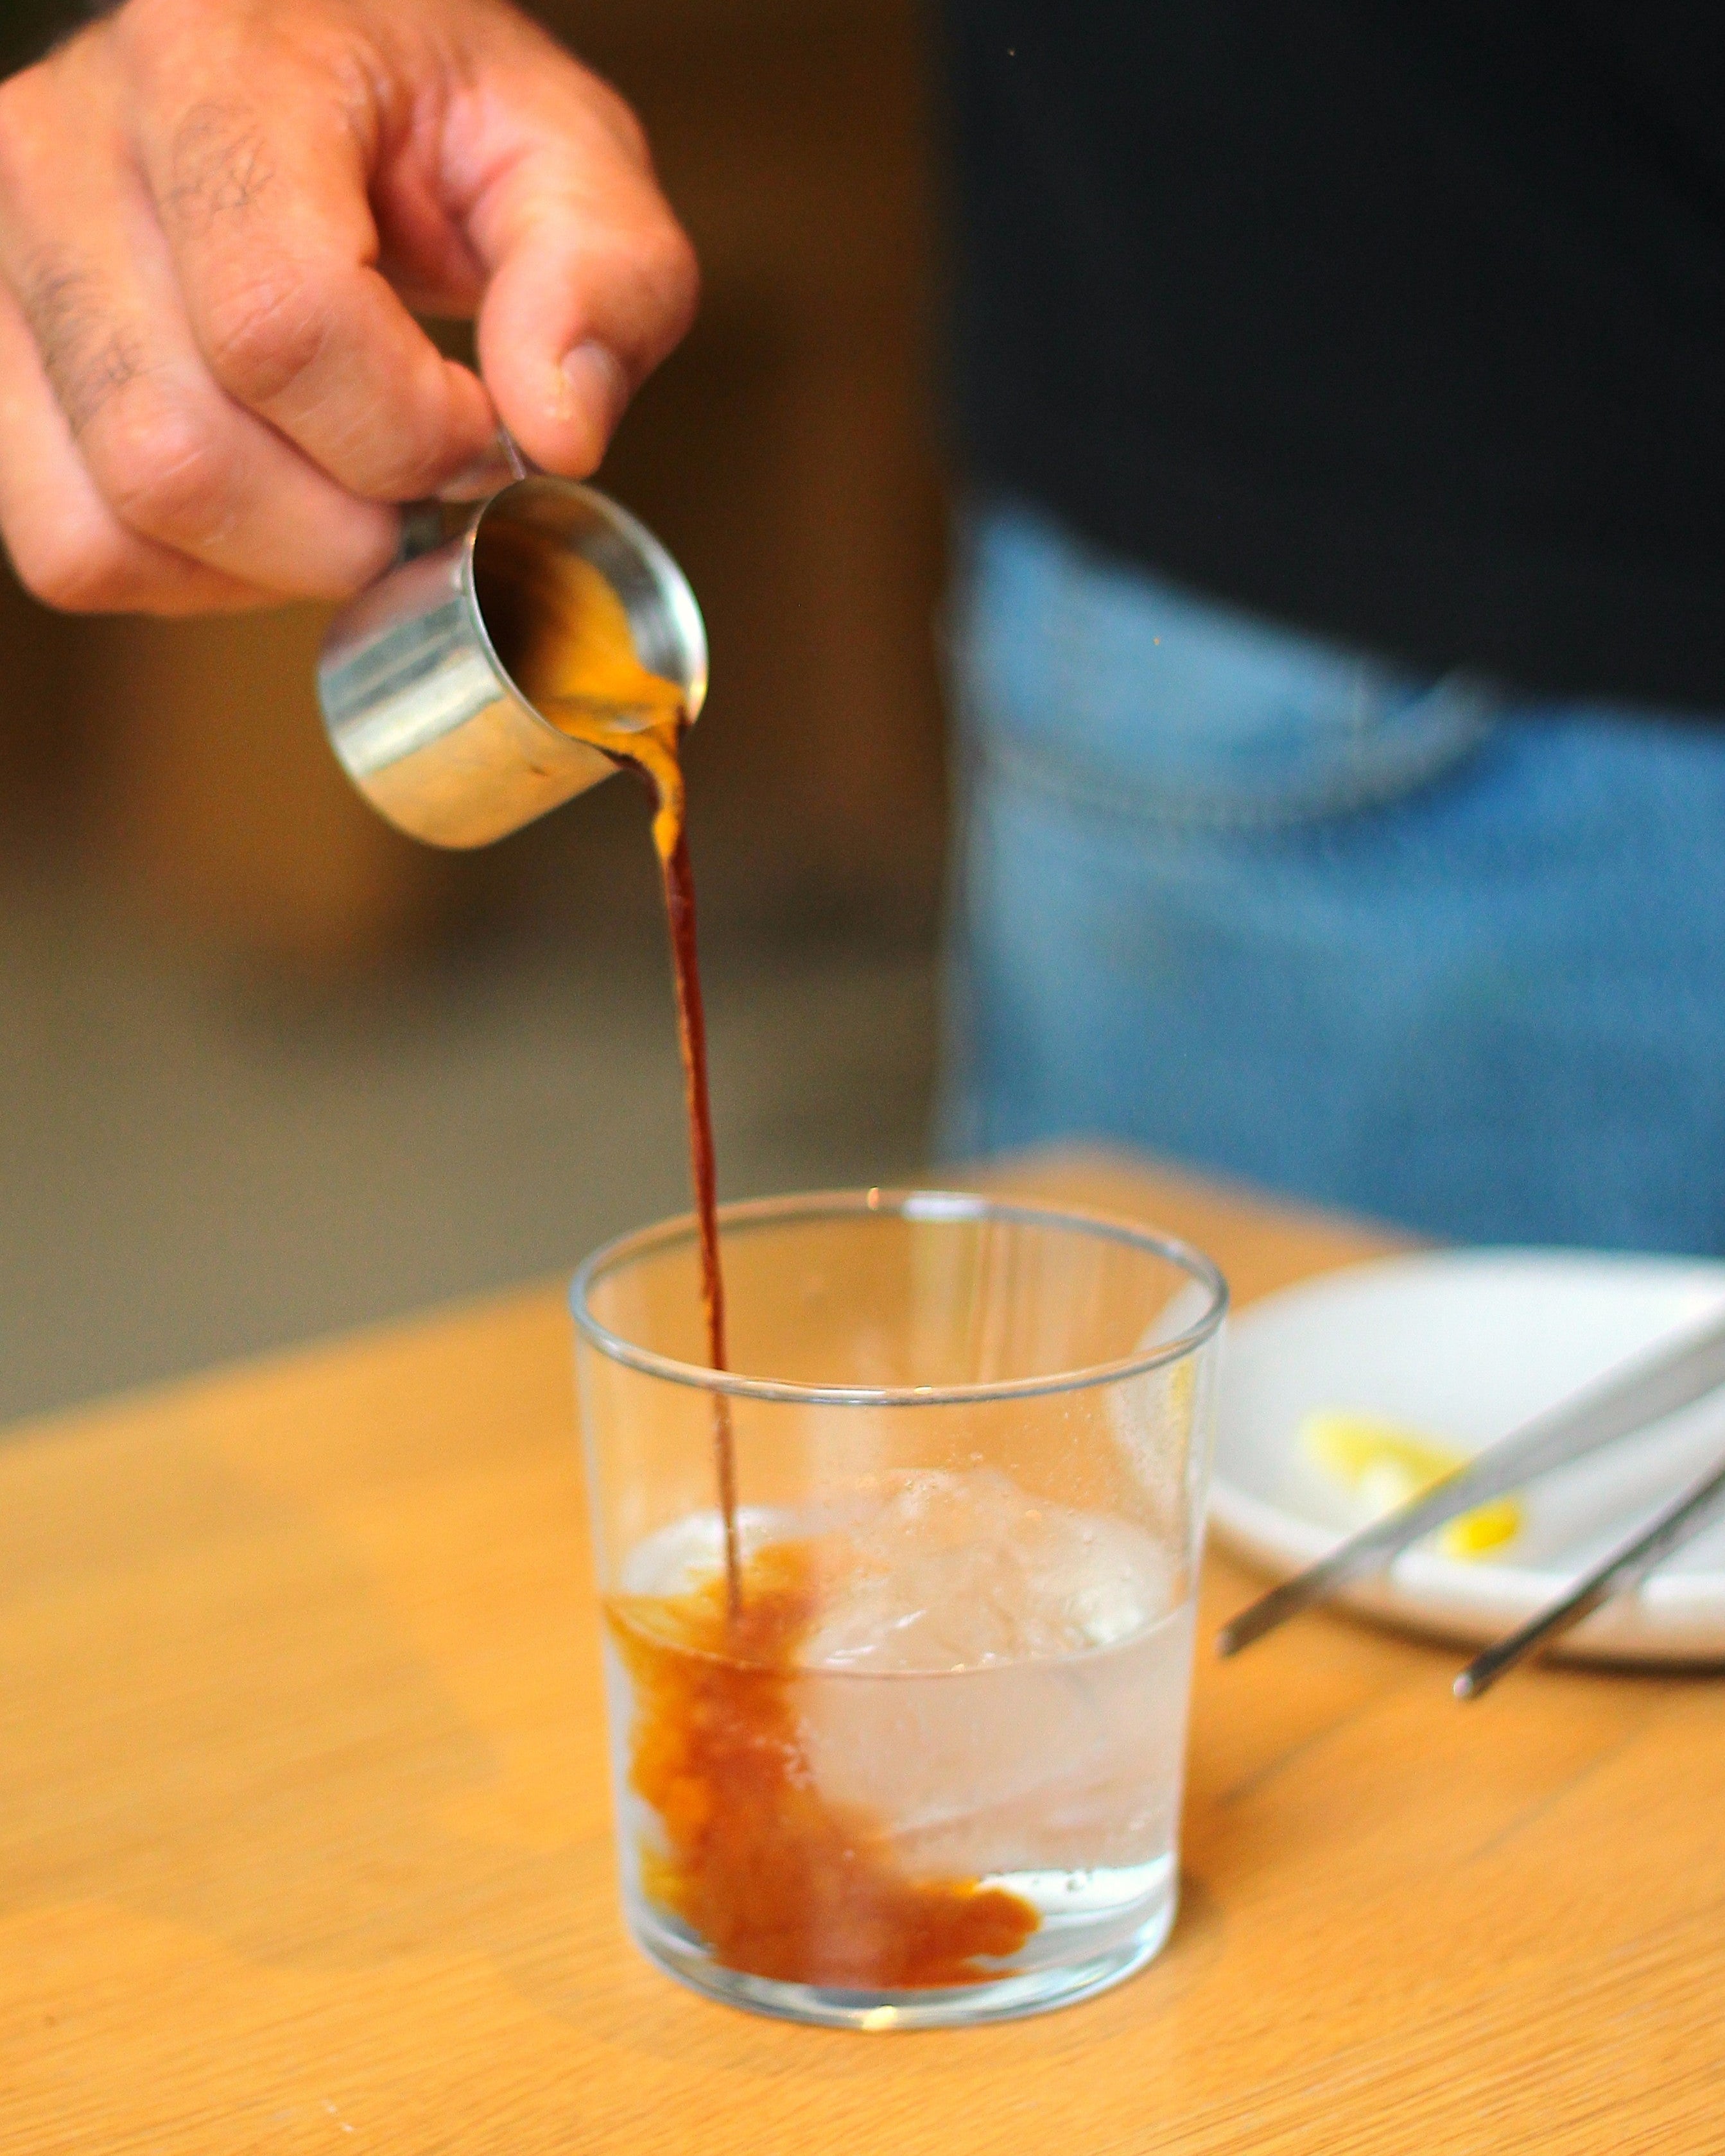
(1400, 318)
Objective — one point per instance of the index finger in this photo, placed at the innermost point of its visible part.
(276, 250)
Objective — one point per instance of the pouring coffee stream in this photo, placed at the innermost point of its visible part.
(578, 666)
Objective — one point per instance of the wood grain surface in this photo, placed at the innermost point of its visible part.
(305, 1840)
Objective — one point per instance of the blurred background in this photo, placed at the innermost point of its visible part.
(267, 1069)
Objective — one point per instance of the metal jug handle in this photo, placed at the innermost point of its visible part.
(426, 524)
(520, 466)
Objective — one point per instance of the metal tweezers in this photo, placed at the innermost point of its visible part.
(1654, 1385)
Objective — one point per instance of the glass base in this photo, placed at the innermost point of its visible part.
(1006, 1997)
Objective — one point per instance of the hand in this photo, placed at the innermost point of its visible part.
(215, 216)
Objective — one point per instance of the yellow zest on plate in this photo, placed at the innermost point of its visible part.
(1384, 1463)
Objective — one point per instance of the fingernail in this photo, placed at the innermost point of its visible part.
(489, 470)
(595, 379)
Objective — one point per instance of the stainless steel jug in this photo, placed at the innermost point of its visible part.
(418, 697)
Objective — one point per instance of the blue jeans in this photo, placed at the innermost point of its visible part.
(1392, 941)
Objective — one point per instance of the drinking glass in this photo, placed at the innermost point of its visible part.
(905, 1747)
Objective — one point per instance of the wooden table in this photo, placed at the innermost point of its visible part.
(304, 1841)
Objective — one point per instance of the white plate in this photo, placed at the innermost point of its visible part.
(1466, 1345)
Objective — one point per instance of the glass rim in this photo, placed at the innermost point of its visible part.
(930, 1205)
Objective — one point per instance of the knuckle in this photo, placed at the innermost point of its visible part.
(158, 37)
(262, 335)
(671, 271)
(386, 455)
(160, 467)
(90, 354)
(219, 165)
(20, 133)
(404, 471)
(15, 93)
(631, 134)
(72, 570)
(396, 450)
(608, 105)
(410, 474)
(150, 22)
(682, 268)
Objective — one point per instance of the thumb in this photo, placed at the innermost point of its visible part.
(590, 280)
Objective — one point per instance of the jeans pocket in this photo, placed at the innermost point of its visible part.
(1094, 678)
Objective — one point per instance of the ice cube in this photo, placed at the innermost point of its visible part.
(947, 1571)
(988, 1678)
